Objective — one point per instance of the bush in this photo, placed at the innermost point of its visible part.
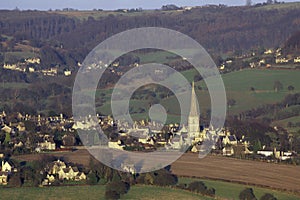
(15, 180)
(268, 196)
(120, 187)
(197, 186)
(211, 192)
(161, 178)
(112, 195)
(92, 178)
(247, 194)
(200, 187)
(164, 178)
(140, 179)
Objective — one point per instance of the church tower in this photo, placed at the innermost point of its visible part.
(193, 119)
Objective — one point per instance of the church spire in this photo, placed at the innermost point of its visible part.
(194, 120)
(194, 107)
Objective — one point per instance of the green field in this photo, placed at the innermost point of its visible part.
(224, 190)
(237, 85)
(284, 123)
(94, 193)
(288, 6)
(18, 55)
(232, 190)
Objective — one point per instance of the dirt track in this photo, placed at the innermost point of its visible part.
(277, 176)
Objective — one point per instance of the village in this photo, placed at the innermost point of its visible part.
(266, 58)
(26, 134)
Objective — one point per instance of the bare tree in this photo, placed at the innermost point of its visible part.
(248, 2)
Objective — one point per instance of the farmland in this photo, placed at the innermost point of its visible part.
(245, 172)
(229, 190)
(237, 85)
(94, 192)
(239, 171)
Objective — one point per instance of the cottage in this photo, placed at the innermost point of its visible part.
(3, 178)
(67, 73)
(31, 69)
(229, 139)
(265, 153)
(268, 51)
(6, 129)
(115, 145)
(143, 139)
(57, 166)
(281, 60)
(33, 60)
(7, 166)
(297, 60)
(196, 148)
(47, 145)
(228, 151)
(70, 173)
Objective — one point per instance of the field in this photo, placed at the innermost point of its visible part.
(94, 193)
(237, 85)
(245, 172)
(240, 171)
(288, 6)
(228, 190)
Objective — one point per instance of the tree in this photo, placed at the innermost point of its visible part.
(257, 146)
(109, 194)
(248, 2)
(15, 180)
(27, 174)
(268, 196)
(120, 187)
(30, 126)
(291, 88)
(197, 186)
(164, 178)
(92, 178)
(247, 194)
(231, 102)
(277, 86)
(7, 138)
(252, 89)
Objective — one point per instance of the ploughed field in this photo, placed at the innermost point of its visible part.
(270, 175)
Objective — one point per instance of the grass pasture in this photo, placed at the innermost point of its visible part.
(227, 190)
(237, 85)
(18, 55)
(285, 6)
(145, 192)
(224, 190)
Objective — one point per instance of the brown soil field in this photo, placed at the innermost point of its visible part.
(269, 175)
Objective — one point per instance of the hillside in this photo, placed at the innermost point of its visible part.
(219, 29)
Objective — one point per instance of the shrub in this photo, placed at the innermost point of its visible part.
(164, 178)
(15, 180)
(112, 195)
(268, 196)
(211, 192)
(197, 186)
(120, 187)
(247, 194)
(92, 178)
